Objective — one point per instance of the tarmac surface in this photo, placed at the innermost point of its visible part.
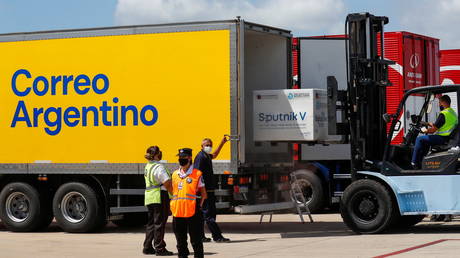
(284, 237)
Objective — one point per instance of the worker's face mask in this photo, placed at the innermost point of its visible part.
(207, 149)
(441, 107)
(184, 162)
(160, 155)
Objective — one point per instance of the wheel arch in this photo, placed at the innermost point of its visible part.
(385, 182)
(20, 178)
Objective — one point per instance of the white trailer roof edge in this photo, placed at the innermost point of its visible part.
(138, 29)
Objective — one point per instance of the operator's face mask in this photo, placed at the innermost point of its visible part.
(441, 107)
(184, 161)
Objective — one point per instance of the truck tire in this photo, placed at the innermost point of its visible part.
(312, 188)
(21, 208)
(367, 207)
(76, 208)
(132, 220)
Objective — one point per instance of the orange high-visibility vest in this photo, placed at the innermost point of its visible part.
(184, 197)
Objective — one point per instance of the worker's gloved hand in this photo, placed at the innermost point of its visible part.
(424, 130)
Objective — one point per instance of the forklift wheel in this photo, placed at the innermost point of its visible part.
(367, 207)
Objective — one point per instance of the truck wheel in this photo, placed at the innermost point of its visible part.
(367, 207)
(312, 189)
(21, 209)
(76, 208)
(132, 220)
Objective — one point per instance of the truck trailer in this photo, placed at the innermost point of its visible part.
(80, 107)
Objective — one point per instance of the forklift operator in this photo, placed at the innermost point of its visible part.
(437, 133)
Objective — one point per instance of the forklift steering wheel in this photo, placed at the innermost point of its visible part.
(416, 127)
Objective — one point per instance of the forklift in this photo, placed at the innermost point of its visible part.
(386, 192)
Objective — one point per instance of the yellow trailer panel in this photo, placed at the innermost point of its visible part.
(107, 98)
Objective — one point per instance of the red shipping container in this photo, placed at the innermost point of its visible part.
(450, 66)
(416, 60)
(450, 71)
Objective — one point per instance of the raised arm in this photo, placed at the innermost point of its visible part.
(219, 148)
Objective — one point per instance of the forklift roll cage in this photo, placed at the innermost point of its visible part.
(426, 91)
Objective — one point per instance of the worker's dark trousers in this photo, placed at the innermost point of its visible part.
(157, 218)
(209, 215)
(422, 146)
(193, 226)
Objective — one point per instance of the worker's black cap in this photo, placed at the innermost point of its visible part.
(185, 152)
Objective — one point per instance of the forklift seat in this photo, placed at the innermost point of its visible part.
(453, 141)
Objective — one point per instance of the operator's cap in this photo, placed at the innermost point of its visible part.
(185, 152)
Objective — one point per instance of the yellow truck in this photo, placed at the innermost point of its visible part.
(79, 108)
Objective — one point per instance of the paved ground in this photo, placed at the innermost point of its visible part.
(284, 237)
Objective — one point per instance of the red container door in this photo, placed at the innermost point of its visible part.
(450, 71)
(432, 61)
(450, 66)
(393, 51)
(414, 63)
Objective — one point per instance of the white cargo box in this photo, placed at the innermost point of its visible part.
(290, 115)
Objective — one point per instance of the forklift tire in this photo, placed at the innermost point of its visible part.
(312, 189)
(76, 208)
(21, 209)
(367, 207)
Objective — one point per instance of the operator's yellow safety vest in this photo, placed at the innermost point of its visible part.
(152, 187)
(450, 124)
(184, 197)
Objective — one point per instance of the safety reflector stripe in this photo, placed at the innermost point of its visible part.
(182, 198)
(152, 187)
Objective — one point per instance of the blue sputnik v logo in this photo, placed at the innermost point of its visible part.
(54, 117)
(290, 96)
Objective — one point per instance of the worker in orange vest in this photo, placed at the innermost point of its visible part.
(187, 182)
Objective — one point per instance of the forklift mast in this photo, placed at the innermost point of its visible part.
(367, 78)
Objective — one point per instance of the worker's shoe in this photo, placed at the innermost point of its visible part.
(222, 240)
(206, 239)
(448, 218)
(148, 251)
(164, 252)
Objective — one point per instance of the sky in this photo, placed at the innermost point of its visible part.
(436, 18)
